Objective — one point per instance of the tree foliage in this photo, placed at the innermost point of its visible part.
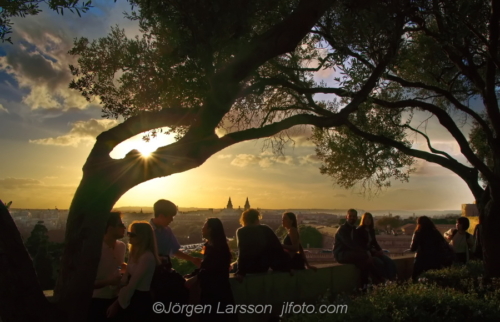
(23, 8)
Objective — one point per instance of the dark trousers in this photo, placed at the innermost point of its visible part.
(461, 258)
(98, 308)
(140, 308)
(358, 258)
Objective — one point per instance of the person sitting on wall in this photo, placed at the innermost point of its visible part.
(347, 250)
(460, 240)
(385, 266)
(292, 244)
(432, 250)
(258, 247)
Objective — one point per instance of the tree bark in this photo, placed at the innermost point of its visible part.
(21, 297)
(491, 251)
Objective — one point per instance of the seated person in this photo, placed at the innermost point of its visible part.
(386, 268)
(291, 243)
(431, 248)
(347, 250)
(258, 246)
(460, 240)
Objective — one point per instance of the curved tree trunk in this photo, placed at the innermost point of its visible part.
(88, 214)
(490, 220)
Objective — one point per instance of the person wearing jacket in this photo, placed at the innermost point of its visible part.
(347, 250)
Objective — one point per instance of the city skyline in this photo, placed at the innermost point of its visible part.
(47, 132)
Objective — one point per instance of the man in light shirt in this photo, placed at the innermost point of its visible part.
(111, 265)
(168, 245)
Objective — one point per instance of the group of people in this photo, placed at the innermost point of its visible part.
(358, 246)
(126, 291)
(434, 251)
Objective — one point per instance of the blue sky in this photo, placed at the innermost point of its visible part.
(47, 131)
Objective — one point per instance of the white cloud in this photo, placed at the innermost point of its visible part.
(264, 160)
(224, 156)
(3, 109)
(243, 160)
(82, 131)
(310, 158)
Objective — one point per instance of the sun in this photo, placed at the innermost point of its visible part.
(137, 143)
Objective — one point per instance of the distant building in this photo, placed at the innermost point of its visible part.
(247, 205)
(470, 210)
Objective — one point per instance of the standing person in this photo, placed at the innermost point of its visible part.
(134, 301)
(366, 232)
(347, 250)
(168, 246)
(430, 247)
(292, 244)
(212, 279)
(109, 269)
(460, 240)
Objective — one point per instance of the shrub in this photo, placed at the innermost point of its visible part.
(412, 302)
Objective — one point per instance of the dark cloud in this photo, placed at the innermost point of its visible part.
(14, 183)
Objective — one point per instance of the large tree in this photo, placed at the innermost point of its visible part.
(448, 69)
(248, 67)
(198, 66)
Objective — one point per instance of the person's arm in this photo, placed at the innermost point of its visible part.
(145, 267)
(115, 280)
(242, 254)
(415, 242)
(448, 235)
(192, 259)
(374, 241)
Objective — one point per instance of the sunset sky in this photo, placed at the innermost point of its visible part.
(47, 131)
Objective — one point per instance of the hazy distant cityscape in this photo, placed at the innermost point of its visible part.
(188, 223)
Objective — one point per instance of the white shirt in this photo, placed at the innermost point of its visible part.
(141, 274)
(108, 267)
(459, 243)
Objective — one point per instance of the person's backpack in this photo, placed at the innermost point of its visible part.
(168, 286)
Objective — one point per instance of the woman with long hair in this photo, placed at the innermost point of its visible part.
(430, 247)
(211, 282)
(385, 266)
(292, 244)
(134, 299)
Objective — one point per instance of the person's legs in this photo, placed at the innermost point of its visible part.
(98, 308)
(389, 267)
(360, 260)
(461, 258)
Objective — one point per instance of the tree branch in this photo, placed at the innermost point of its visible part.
(449, 96)
(469, 175)
(280, 39)
(490, 98)
(429, 145)
(445, 120)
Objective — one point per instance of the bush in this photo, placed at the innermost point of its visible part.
(463, 278)
(411, 302)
